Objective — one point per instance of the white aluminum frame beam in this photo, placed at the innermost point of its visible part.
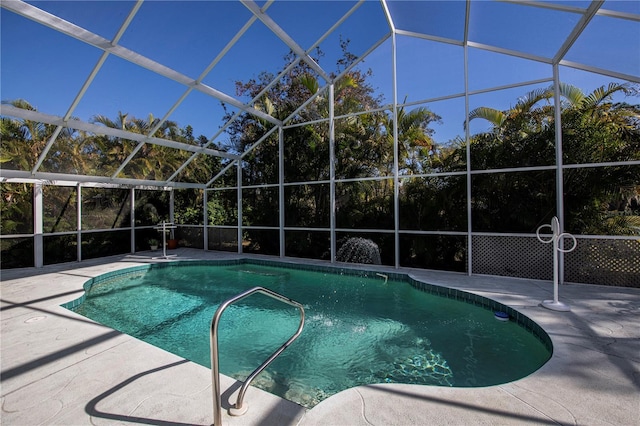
(557, 104)
(429, 37)
(620, 15)
(282, 35)
(281, 198)
(467, 140)
(387, 15)
(7, 175)
(573, 9)
(79, 222)
(324, 88)
(240, 157)
(38, 227)
(332, 176)
(396, 153)
(205, 219)
(54, 22)
(601, 71)
(132, 219)
(577, 30)
(275, 80)
(239, 205)
(509, 52)
(10, 110)
(201, 77)
(552, 6)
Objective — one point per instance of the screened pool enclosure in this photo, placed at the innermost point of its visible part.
(443, 132)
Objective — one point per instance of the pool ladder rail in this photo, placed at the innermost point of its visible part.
(239, 409)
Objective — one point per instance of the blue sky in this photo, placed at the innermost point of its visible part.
(48, 69)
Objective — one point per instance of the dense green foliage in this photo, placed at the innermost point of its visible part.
(599, 200)
(594, 130)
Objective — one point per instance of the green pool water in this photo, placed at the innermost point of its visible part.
(358, 330)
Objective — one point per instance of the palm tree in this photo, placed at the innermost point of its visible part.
(21, 145)
(151, 161)
(22, 140)
(523, 115)
(526, 119)
(415, 142)
(594, 130)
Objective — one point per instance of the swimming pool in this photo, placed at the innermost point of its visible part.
(360, 327)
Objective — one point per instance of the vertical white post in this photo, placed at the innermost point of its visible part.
(559, 162)
(38, 243)
(556, 254)
(164, 239)
(281, 200)
(332, 173)
(239, 195)
(132, 200)
(172, 205)
(468, 161)
(205, 219)
(79, 222)
(396, 152)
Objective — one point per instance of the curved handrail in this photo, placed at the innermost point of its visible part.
(215, 365)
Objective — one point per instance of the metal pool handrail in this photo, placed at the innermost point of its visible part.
(215, 365)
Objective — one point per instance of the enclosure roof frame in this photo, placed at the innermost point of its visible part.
(262, 15)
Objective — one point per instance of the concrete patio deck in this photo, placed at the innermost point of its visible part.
(61, 368)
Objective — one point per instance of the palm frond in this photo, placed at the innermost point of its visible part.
(494, 116)
(602, 94)
(572, 94)
(526, 102)
(103, 119)
(310, 82)
(347, 81)
(20, 103)
(266, 106)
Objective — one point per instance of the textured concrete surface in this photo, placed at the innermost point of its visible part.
(60, 368)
